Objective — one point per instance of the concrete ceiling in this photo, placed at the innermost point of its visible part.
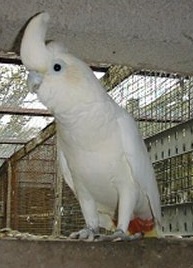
(146, 34)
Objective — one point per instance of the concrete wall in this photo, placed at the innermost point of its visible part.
(143, 253)
(139, 33)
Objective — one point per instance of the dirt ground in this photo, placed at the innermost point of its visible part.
(146, 253)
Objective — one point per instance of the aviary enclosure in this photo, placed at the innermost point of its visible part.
(33, 195)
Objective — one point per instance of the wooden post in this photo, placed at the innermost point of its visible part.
(58, 202)
(8, 206)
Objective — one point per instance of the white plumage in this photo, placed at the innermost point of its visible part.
(102, 155)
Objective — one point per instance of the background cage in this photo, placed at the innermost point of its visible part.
(34, 197)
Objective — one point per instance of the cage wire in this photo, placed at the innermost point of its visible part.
(33, 176)
(16, 129)
(175, 179)
(157, 101)
(35, 199)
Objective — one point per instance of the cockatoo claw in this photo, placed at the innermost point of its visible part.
(87, 234)
(119, 235)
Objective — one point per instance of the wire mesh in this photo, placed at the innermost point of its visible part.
(158, 101)
(172, 154)
(33, 176)
(71, 215)
(175, 179)
(14, 94)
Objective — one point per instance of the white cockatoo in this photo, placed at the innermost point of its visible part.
(102, 155)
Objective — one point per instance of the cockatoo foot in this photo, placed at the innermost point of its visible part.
(119, 235)
(87, 234)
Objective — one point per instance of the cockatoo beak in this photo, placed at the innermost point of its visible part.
(34, 81)
(34, 53)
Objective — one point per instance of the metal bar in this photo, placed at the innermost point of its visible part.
(169, 131)
(15, 61)
(44, 112)
(157, 120)
(160, 74)
(99, 68)
(13, 141)
(24, 111)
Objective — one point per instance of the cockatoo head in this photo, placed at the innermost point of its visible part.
(61, 80)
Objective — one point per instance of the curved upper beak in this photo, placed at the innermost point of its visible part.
(34, 81)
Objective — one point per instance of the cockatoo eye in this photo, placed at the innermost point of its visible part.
(58, 65)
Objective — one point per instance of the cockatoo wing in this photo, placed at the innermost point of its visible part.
(142, 168)
(64, 166)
